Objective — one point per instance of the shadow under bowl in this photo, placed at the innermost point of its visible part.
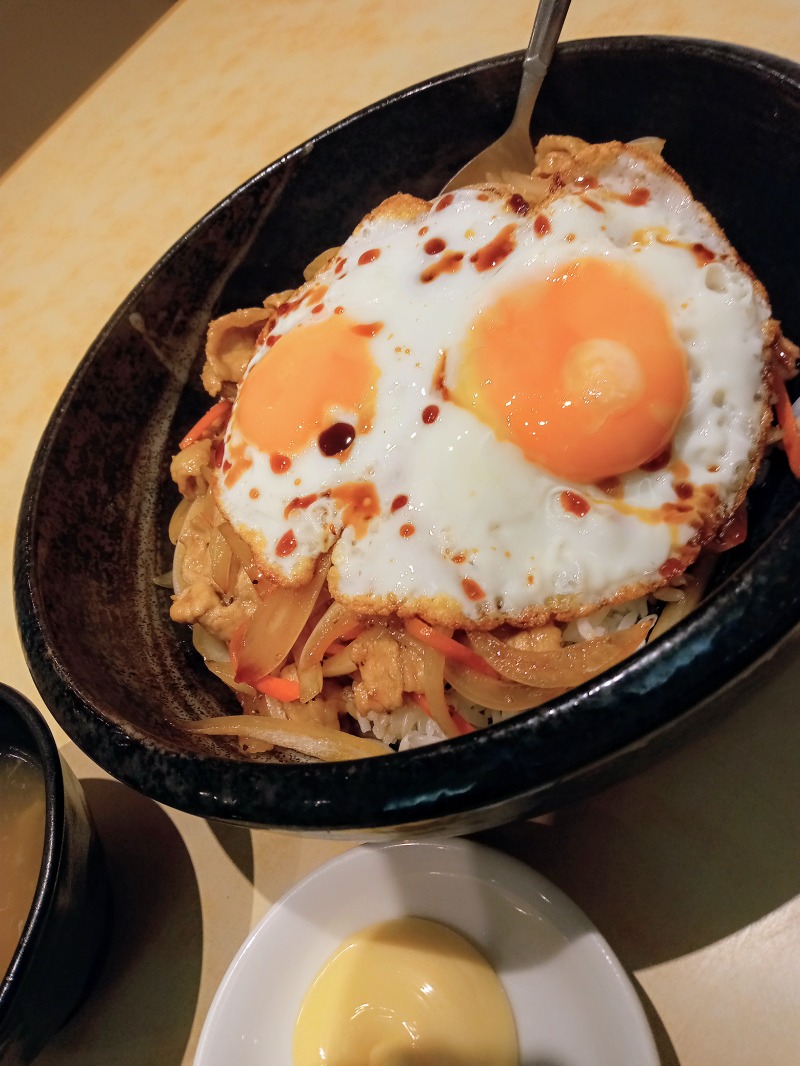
(121, 678)
(60, 947)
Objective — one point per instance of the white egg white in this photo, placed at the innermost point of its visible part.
(479, 509)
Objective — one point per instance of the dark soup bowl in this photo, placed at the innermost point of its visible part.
(122, 679)
(54, 885)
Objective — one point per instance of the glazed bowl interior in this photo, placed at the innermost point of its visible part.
(59, 948)
(121, 678)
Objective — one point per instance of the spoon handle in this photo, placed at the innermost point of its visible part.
(547, 25)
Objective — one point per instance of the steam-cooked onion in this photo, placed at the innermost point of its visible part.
(276, 625)
(338, 665)
(306, 737)
(691, 593)
(336, 620)
(433, 679)
(210, 647)
(568, 666)
(493, 693)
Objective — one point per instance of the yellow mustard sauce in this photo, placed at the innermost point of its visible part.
(406, 992)
(22, 810)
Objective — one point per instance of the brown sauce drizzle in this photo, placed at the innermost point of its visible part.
(254, 493)
(273, 338)
(286, 545)
(235, 464)
(300, 503)
(434, 246)
(336, 438)
(279, 464)
(398, 502)
(407, 530)
(518, 204)
(423, 231)
(702, 255)
(472, 589)
(317, 308)
(733, 532)
(439, 375)
(611, 486)
(360, 503)
(430, 414)
(339, 265)
(496, 250)
(595, 206)
(637, 197)
(586, 181)
(658, 462)
(338, 310)
(671, 568)
(368, 329)
(445, 201)
(369, 256)
(458, 558)
(573, 503)
(541, 225)
(450, 263)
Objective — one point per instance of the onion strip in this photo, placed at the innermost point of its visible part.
(336, 621)
(275, 625)
(567, 667)
(691, 593)
(433, 679)
(495, 694)
(305, 737)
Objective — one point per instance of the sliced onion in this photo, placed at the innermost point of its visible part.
(237, 545)
(226, 673)
(177, 568)
(338, 665)
(692, 591)
(224, 566)
(306, 737)
(336, 620)
(568, 666)
(276, 625)
(494, 693)
(209, 646)
(433, 678)
(178, 518)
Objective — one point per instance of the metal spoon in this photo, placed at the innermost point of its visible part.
(514, 151)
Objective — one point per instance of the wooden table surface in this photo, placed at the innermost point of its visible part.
(692, 869)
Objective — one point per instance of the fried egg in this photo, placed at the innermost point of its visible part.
(493, 411)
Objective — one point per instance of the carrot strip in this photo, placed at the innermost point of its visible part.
(451, 649)
(279, 688)
(461, 724)
(204, 426)
(788, 423)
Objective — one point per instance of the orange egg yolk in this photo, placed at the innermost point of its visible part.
(312, 371)
(582, 371)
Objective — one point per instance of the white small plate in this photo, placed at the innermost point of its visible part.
(572, 1001)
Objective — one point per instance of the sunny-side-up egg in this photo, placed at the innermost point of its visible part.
(495, 412)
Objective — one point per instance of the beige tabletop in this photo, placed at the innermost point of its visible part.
(692, 869)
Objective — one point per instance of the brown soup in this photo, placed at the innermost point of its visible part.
(22, 819)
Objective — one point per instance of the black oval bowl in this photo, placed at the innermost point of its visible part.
(120, 677)
(61, 943)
